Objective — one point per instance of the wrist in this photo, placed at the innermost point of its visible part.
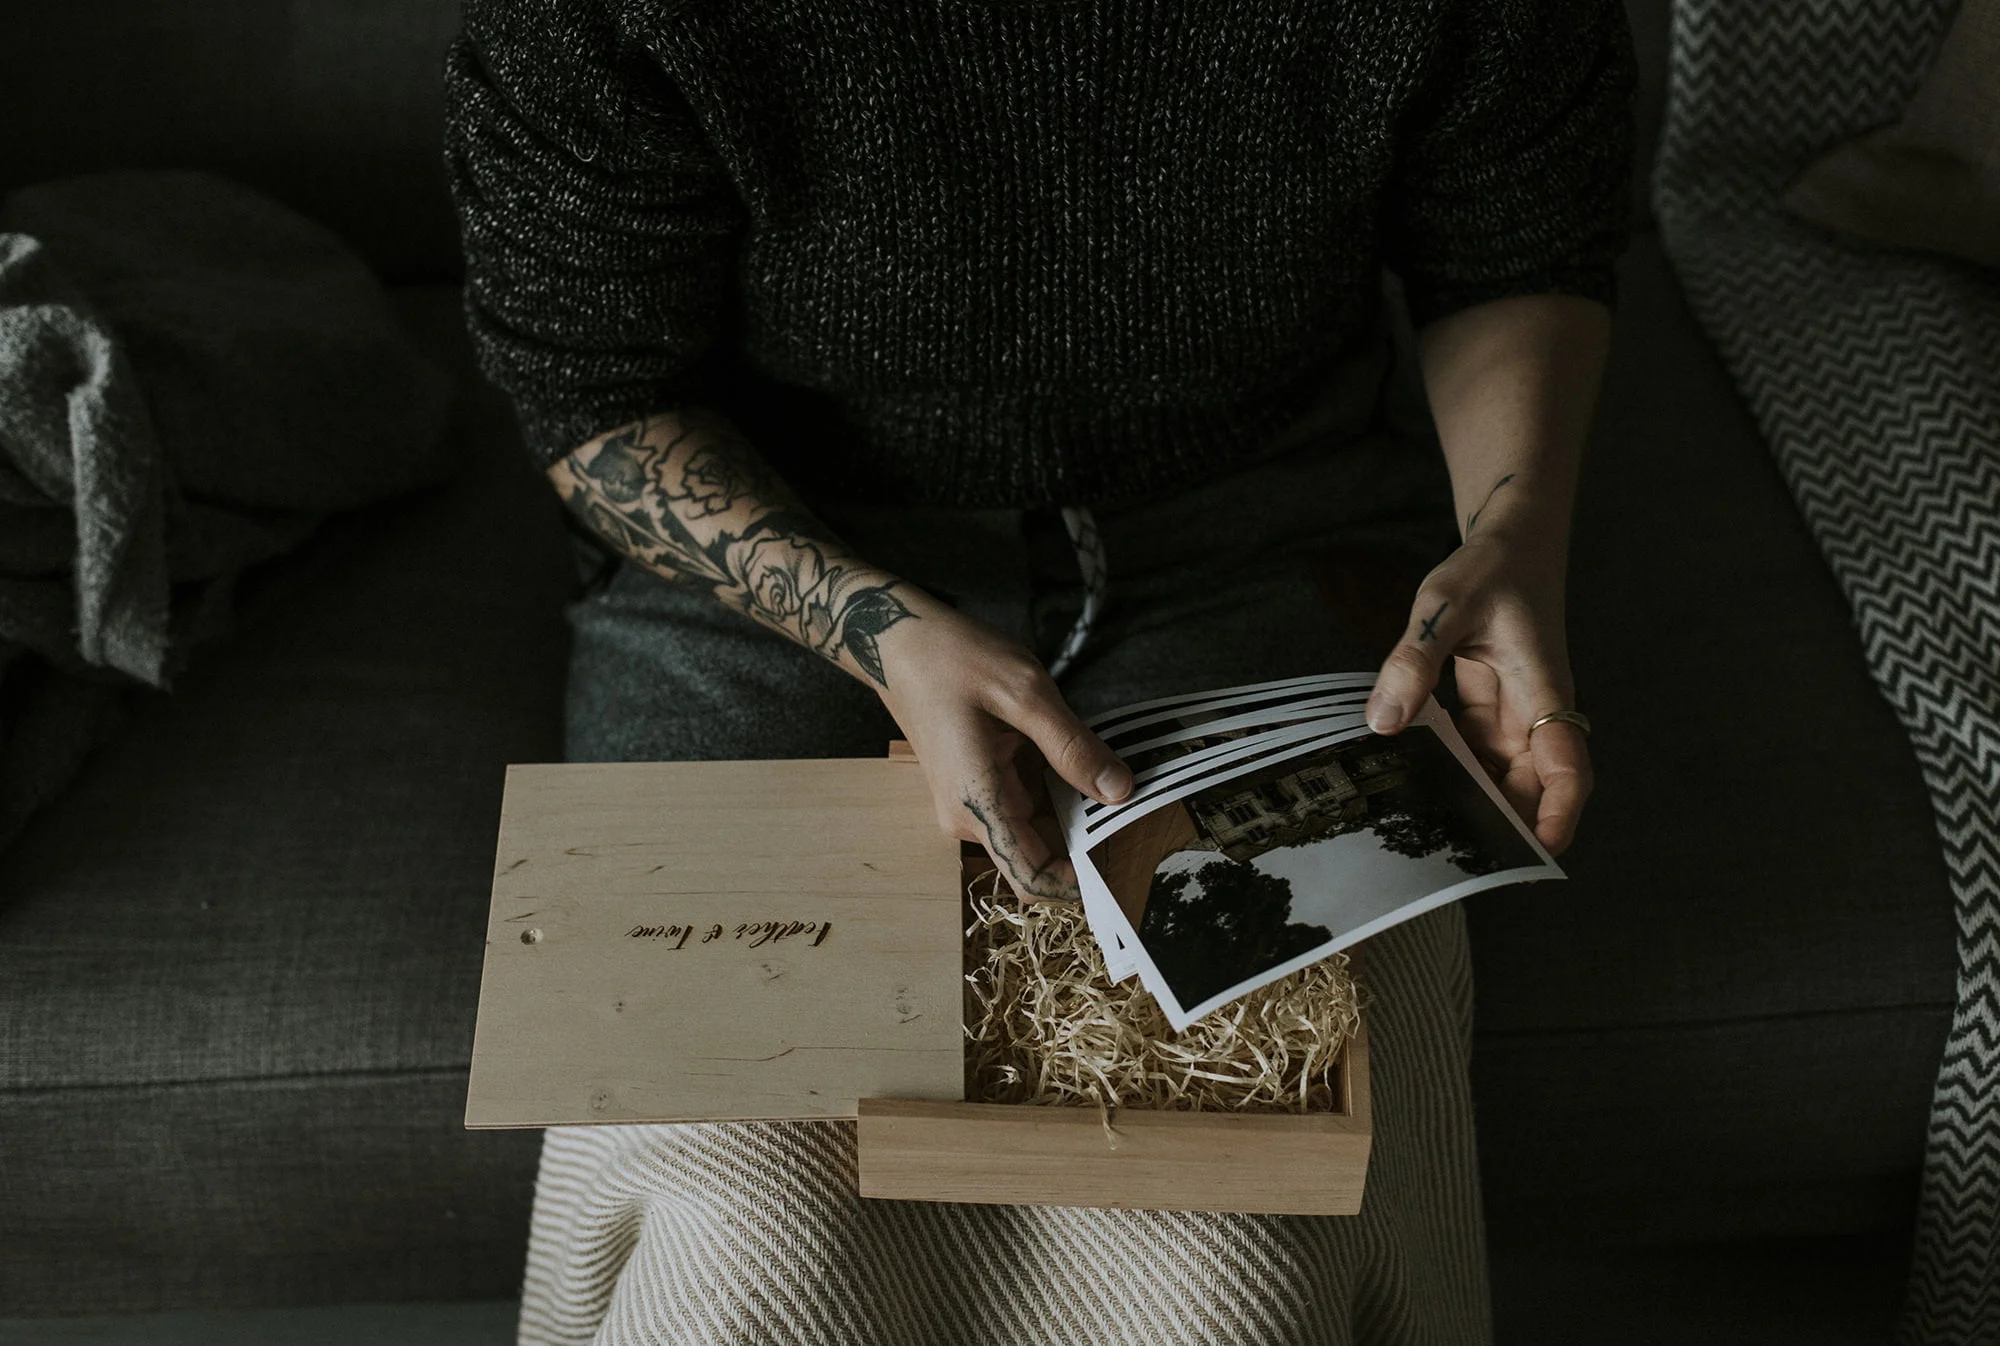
(1528, 558)
(822, 597)
(1523, 526)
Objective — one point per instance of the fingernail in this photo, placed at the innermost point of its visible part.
(1385, 717)
(1114, 783)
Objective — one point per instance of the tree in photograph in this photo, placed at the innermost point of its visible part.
(1417, 831)
(1211, 927)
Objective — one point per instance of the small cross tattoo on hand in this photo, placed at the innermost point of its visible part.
(1430, 628)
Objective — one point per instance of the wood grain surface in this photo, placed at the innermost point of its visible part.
(680, 941)
(1316, 1164)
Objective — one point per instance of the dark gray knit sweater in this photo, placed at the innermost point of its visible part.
(1011, 252)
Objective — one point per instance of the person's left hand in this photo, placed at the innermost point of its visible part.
(1496, 605)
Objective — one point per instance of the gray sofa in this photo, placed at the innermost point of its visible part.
(239, 958)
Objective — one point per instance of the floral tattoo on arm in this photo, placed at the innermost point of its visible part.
(686, 496)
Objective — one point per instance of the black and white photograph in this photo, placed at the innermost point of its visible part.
(1296, 847)
(1187, 732)
(1268, 703)
(1169, 767)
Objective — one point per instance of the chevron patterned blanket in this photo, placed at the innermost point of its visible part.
(1875, 376)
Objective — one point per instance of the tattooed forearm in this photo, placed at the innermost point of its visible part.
(1473, 517)
(686, 496)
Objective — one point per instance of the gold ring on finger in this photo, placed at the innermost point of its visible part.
(1575, 717)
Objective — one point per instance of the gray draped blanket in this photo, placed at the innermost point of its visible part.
(191, 377)
(1876, 377)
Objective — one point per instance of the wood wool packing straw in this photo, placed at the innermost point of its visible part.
(1046, 1025)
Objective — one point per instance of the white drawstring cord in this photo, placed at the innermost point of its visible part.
(1089, 546)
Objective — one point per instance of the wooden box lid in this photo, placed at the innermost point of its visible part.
(683, 941)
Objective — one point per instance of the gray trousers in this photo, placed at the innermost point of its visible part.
(1213, 587)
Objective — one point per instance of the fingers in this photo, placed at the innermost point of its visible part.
(1020, 831)
(1545, 775)
(1478, 685)
(1058, 883)
(984, 716)
(1032, 704)
(995, 808)
(1411, 671)
(1479, 715)
(1562, 765)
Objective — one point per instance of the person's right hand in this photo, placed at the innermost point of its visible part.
(983, 715)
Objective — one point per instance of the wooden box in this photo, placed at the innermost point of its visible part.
(705, 941)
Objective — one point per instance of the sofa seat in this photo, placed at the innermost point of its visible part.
(1728, 1023)
(239, 957)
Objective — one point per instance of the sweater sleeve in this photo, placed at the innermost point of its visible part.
(1514, 164)
(598, 224)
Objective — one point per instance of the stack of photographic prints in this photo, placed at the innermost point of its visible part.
(1269, 827)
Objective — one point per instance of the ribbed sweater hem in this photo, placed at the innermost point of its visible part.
(1022, 450)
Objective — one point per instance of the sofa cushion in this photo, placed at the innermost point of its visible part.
(335, 107)
(1730, 1017)
(1931, 180)
(240, 956)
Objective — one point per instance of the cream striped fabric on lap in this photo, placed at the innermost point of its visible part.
(752, 1233)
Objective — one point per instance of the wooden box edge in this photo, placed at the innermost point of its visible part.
(1020, 1154)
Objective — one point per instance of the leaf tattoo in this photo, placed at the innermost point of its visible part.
(1473, 517)
(869, 613)
(617, 470)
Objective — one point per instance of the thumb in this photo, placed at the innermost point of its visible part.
(1070, 748)
(1411, 671)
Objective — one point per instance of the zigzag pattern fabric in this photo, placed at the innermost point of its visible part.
(1875, 376)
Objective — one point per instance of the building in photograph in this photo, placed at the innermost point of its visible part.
(1325, 794)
